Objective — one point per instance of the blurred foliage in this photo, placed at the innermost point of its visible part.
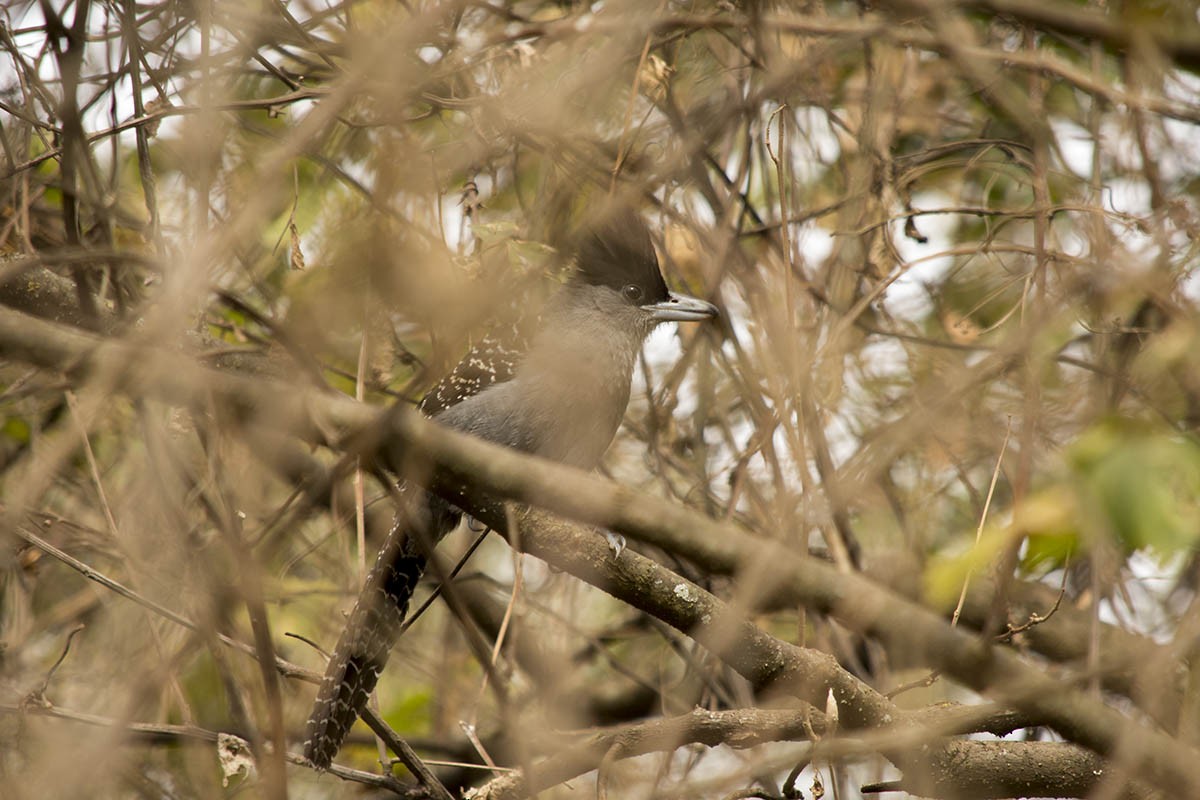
(1123, 483)
(938, 232)
(1140, 483)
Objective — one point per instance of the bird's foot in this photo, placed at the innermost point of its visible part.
(616, 542)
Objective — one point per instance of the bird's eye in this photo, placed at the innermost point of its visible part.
(632, 293)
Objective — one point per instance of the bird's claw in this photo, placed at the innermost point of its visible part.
(616, 543)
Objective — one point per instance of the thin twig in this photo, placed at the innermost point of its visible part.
(987, 504)
(405, 754)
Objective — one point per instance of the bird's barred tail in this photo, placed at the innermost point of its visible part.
(365, 643)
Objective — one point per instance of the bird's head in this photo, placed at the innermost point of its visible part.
(616, 253)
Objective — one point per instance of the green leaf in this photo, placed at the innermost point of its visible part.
(17, 429)
(946, 574)
(1139, 485)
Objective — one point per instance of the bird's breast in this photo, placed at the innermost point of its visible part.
(583, 403)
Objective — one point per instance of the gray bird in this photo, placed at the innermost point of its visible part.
(561, 394)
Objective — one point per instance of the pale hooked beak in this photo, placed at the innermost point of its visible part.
(680, 308)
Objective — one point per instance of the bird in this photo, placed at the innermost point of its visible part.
(557, 388)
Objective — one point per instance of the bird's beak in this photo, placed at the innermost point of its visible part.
(680, 308)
